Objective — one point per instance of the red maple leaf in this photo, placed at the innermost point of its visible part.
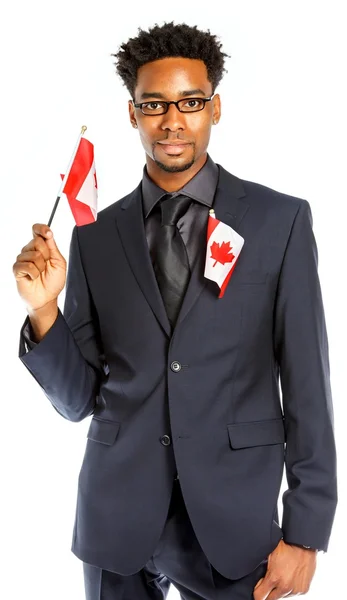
(221, 253)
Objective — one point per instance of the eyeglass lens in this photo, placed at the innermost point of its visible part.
(158, 108)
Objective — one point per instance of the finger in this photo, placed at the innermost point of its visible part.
(34, 256)
(278, 593)
(258, 583)
(25, 269)
(41, 229)
(37, 243)
(262, 589)
(274, 595)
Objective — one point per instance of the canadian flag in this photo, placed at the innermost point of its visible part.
(224, 245)
(81, 187)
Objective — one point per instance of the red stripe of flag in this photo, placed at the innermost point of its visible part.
(80, 168)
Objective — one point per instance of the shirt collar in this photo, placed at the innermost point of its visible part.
(200, 188)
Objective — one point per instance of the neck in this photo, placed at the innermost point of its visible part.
(171, 182)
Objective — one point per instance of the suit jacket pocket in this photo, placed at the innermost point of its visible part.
(250, 276)
(103, 431)
(256, 433)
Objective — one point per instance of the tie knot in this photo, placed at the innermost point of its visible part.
(173, 207)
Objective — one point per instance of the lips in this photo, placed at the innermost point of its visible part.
(173, 148)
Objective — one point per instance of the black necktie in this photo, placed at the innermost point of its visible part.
(171, 263)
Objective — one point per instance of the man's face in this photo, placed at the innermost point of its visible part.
(174, 79)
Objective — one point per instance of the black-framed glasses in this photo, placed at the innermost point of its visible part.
(159, 107)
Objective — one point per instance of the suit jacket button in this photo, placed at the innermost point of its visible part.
(165, 440)
(175, 366)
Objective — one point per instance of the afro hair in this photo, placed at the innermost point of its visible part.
(166, 41)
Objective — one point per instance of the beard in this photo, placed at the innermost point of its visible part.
(174, 168)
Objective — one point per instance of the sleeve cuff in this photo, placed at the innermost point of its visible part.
(307, 547)
(26, 342)
(28, 336)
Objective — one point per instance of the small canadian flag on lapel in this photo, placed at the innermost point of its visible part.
(224, 245)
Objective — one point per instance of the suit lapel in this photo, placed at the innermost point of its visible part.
(130, 222)
(228, 208)
(131, 229)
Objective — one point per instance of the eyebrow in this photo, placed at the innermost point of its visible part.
(162, 97)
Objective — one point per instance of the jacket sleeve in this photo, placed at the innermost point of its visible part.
(68, 362)
(301, 350)
(28, 336)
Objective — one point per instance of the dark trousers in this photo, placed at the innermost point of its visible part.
(178, 560)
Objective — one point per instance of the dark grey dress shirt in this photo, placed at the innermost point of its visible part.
(192, 225)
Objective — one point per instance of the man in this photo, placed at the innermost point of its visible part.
(190, 434)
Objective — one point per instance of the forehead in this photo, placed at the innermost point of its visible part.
(170, 76)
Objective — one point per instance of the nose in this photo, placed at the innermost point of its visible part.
(173, 119)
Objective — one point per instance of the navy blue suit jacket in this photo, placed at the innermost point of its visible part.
(248, 395)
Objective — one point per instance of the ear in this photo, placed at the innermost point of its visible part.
(216, 109)
(132, 114)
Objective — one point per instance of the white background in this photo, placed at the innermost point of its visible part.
(283, 125)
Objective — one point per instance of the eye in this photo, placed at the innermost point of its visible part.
(193, 103)
(153, 105)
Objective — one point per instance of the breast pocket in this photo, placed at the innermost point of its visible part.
(250, 276)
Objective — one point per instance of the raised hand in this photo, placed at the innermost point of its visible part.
(40, 269)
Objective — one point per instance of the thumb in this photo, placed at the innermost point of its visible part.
(52, 246)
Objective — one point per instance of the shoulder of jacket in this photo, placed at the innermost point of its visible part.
(275, 198)
(267, 197)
